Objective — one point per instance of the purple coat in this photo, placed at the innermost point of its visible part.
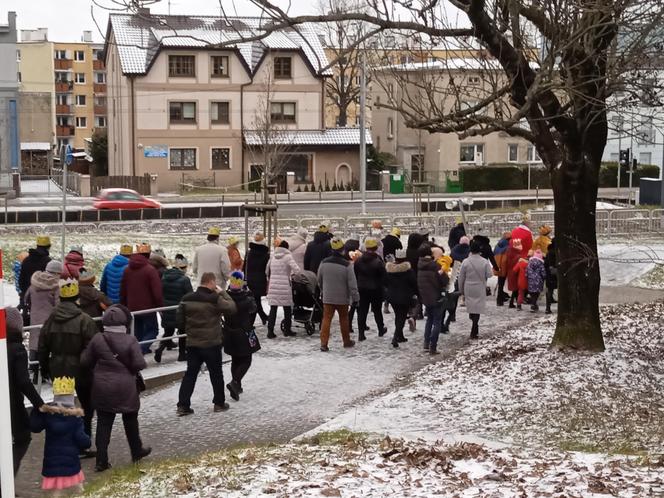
(114, 384)
(536, 274)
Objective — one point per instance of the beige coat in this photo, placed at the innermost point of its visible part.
(212, 257)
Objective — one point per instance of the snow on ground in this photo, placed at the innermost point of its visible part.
(631, 262)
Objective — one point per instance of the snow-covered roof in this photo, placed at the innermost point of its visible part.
(35, 146)
(453, 64)
(330, 136)
(139, 39)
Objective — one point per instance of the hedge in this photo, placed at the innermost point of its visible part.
(515, 177)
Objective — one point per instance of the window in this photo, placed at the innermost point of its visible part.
(18, 56)
(377, 101)
(471, 153)
(512, 153)
(220, 66)
(282, 112)
(63, 121)
(181, 66)
(182, 112)
(97, 54)
(79, 55)
(62, 77)
(80, 100)
(220, 113)
(390, 128)
(80, 78)
(282, 67)
(100, 77)
(646, 131)
(61, 99)
(100, 101)
(533, 155)
(81, 122)
(60, 54)
(645, 157)
(18, 76)
(301, 165)
(473, 80)
(62, 142)
(100, 121)
(182, 158)
(221, 158)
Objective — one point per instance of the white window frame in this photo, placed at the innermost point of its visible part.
(230, 158)
(60, 54)
(76, 52)
(103, 77)
(81, 119)
(197, 159)
(473, 80)
(76, 79)
(85, 100)
(97, 119)
(533, 156)
(509, 150)
(475, 152)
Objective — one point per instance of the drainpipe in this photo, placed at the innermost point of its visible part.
(133, 125)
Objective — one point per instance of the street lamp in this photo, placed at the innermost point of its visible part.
(453, 203)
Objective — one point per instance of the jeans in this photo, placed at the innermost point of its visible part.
(21, 443)
(400, 317)
(344, 323)
(195, 358)
(105, 428)
(373, 299)
(146, 329)
(475, 328)
(239, 367)
(288, 317)
(433, 325)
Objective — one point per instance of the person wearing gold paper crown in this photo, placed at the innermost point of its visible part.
(212, 257)
(62, 339)
(65, 437)
(36, 260)
(234, 253)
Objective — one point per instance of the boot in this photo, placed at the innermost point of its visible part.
(361, 337)
(518, 307)
(395, 342)
(511, 305)
(382, 331)
(271, 334)
(234, 390)
(142, 453)
(159, 351)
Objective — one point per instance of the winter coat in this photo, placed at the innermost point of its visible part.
(542, 243)
(20, 385)
(550, 267)
(473, 275)
(280, 269)
(199, 316)
(66, 333)
(523, 232)
(401, 283)
(255, 265)
(234, 258)
(536, 274)
(236, 327)
(140, 288)
(16, 268)
(159, 262)
(511, 260)
(42, 296)
(36, 260)
(72, 265)
(369, 272)
(391, 243)
(65, 439)
(460, 252)
(500, 254)
(337, 282)
(212, 257)
(521, 274)
(415, 240)
(297, 246)
(430, 281)
(485, 250)
(317, 250)
(175, 285)
(456, 233)
(114, 378)
(111, 278)
(92, 301)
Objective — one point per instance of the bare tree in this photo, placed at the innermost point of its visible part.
(550, 72)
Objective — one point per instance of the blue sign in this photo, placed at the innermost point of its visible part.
(69, 155)
(155, 151)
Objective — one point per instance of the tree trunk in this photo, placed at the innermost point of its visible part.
(575, 194)
(343, 115)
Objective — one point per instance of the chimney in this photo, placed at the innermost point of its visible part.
(87, 36)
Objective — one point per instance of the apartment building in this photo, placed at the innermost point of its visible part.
(10, 159)
(187, 102)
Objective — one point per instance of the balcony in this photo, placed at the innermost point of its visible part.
(99, 87)
(64, 131)
(63, 63)
(63, 86)
(100, 110)
(98, 65)
(63, 109)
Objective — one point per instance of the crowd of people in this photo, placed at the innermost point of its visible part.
(81, 337)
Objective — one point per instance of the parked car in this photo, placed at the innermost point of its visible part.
(122, 198)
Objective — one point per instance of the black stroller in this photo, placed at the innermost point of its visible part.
(308, 308)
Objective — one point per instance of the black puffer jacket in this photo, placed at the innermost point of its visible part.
(236, 326)
(391, 243)
(317, 250)
(415, 240)
(456, 233)
(175, 285)
(430, 282)
(255, 264)
(20, 385)
(550, 266)
(36, 260)
(401, 283)
(369, 272)
(485, 250)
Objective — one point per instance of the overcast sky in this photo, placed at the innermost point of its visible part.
(67, 19)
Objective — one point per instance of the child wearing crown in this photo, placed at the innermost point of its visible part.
(65, 437)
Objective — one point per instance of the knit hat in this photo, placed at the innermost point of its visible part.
(538, 254)
(259, 238)
(337, 243)
(54, 266)
(302, 232)
(232, 240)
(14, 320)
(143, 248)
(214, 231)
(324, 226)
(116, 315)
(464, 240)
(180, 261)
(400, 254)
(236, 281)
(126, 250)
(396, 231)
(43, 241)
(85, 276)
(68, 289)
(371, 243)
(544, 230)
(78, 249)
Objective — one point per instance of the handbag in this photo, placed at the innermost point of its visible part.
(254, 344)
(140, 381)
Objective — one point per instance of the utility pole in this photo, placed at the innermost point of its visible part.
(619, 149)
(363, 134)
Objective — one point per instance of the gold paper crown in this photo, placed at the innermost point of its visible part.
(396, 231)
(64, 386)
(371, 243)
(68, 288)
(125, 249)
(43, 241)
(337, 243)
(214, 231)
(233, 240)
(143, 248)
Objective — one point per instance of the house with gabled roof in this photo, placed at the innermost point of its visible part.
(186, 94)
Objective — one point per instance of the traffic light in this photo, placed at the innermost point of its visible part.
(624, 159)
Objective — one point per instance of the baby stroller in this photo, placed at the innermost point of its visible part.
(308, 308)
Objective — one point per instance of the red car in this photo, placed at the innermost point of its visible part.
(122, 198)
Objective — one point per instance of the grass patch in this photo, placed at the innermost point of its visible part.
(339, 437)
